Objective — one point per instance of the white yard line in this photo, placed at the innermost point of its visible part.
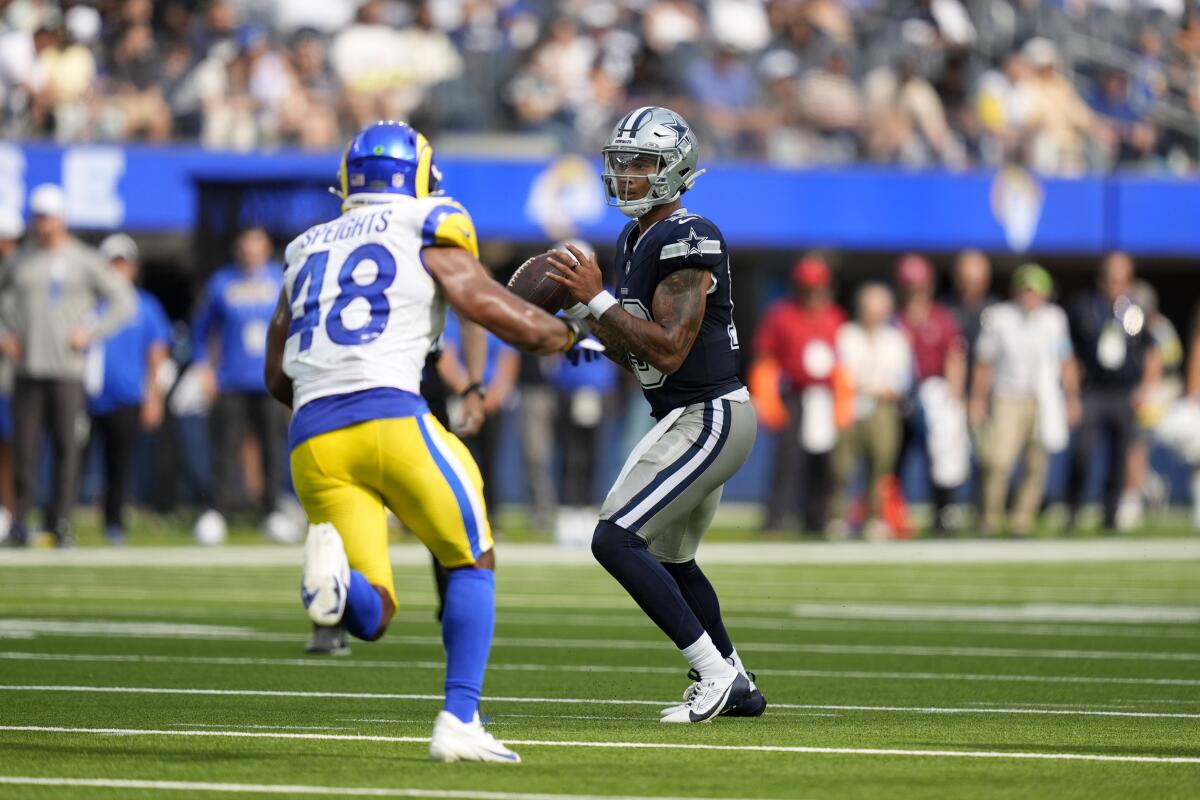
(867, 751)
(1026, 612)
(294, 789)
(50, 628)
(328, 663)
(776, 553)
(577, 700)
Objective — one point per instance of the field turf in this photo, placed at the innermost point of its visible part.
(951, 670)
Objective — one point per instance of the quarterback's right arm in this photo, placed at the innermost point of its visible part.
(450, 255)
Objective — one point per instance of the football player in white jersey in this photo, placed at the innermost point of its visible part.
(364, 297)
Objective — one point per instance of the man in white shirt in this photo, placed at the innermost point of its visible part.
(877, 360)
(1024, 364)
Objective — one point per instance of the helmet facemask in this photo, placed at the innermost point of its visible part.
(627, 170)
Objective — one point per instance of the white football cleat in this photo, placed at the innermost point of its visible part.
(326, 575)
(455, 740)
(211, 529)
(752, 705)
(710, 697)
(688, 693)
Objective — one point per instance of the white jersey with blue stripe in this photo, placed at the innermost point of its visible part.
(365, 312)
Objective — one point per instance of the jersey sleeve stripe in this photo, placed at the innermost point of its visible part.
(673, 251)
(710, 246)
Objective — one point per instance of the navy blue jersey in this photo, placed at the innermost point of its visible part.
(681, 241)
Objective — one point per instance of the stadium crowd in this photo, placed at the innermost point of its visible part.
(1061, 86)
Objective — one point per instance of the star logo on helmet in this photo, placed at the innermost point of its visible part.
(681, 130)
(693, 242)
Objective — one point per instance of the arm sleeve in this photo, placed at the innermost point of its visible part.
(449, 225)
(988, 344)
(695, 244)
(122, 300)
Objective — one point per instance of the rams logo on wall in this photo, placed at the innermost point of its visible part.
(566, 195)
(1017, 205)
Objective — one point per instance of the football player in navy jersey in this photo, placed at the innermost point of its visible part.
(671, 325)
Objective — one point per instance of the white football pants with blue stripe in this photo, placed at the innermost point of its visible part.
(670, 487)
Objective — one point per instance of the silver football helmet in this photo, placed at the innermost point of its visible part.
(653, 144)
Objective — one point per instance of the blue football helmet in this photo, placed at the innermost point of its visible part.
(389, 158)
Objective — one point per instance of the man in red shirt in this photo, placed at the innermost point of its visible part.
(792, 381)
(938, 353)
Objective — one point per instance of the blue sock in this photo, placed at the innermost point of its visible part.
(467, 624)
(364, 608)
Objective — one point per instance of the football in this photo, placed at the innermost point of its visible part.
(530, 283)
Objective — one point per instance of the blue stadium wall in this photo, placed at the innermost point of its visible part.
(155, 189)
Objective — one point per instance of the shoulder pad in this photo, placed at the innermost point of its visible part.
(447, 224)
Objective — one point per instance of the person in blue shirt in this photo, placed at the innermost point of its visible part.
(123, 395)
(229, 338)
(500, 369)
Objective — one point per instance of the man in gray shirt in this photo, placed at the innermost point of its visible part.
(57, 296)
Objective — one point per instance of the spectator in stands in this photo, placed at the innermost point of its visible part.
(878, 364)
(385, 73)
(792, 379)
(724, 88)
(940, 376)
(221, 83)
(668, 24)
(230, 329)
(1025, 387)
(12, 228)
(309, 115)
(832, 105)
(1119, 365)
(136, 100)
(47, 299)
(905, 121)
(1060, 124)
(65, 76)
(17, 57)
(1003, 103)
(739, 25)
(1137, 138)
(122, 383)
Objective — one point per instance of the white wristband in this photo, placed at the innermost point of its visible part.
(601, 303)
(579, 312)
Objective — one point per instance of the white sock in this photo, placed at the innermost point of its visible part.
(706, 659)
(736, 660)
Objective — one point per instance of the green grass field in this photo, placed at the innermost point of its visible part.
(940, 670)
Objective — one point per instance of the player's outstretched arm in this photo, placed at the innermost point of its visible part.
(473, 293)
(662, 342)
(278, 383)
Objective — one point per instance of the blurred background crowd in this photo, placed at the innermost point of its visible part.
(959, 399)
(1059, 85)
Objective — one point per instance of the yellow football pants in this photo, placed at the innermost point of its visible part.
(411, 465)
